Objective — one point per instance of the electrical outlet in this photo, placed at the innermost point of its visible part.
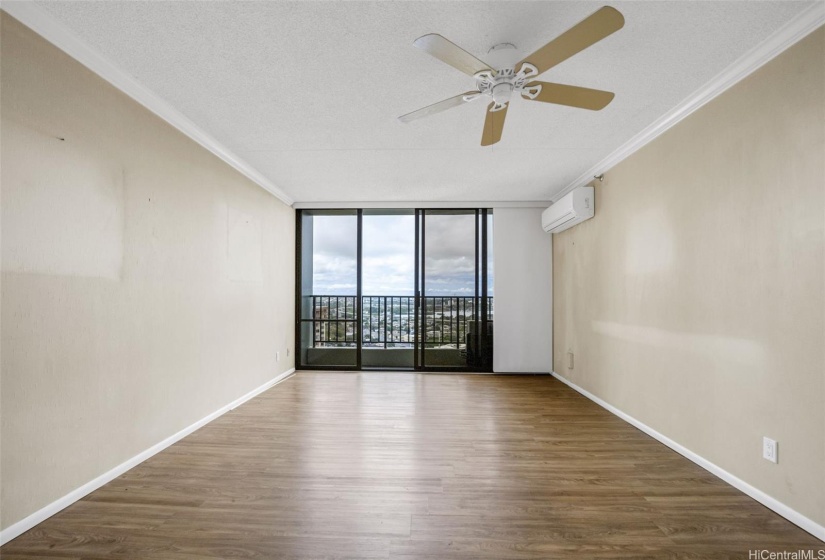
(277, 356)
(570, 360)
(770, 450)
(287, 352)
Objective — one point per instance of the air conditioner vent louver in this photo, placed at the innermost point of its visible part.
(574, 208)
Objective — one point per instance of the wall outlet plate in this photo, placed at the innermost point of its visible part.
(570, 360)
(770, 450)
(277, 356)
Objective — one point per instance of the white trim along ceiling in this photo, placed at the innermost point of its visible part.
(396, 171)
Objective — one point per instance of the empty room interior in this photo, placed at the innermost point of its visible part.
(493, 280)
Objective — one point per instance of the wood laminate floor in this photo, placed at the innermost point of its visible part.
(404, 466)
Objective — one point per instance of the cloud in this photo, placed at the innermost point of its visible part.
(335, 236)
(389, 254)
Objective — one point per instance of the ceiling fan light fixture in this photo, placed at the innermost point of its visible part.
(502, 92)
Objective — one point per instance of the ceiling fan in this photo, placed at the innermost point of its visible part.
(499, 84)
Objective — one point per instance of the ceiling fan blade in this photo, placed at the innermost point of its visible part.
(438, 107)
(493, 125)
(572, 96)
(591, 30)
(449, 52)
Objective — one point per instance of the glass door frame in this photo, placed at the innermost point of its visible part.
(299, 319)
(480, 296)
(480, 299)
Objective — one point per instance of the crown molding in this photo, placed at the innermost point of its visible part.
(803, 24)
(56, 33)
(420, 204)
(63, 38)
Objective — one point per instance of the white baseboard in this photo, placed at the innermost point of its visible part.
(44, 513)
(788, 513)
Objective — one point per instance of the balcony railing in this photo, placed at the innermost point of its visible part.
(389, 321)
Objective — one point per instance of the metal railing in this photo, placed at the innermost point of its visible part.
(389, 321)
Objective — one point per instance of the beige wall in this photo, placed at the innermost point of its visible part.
(145, 284)
(693, 301)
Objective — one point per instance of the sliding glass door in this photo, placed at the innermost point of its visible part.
(388, 289)
(327, 309)
(453, 302)
(394, 289)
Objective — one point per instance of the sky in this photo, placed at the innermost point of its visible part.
(389, 255)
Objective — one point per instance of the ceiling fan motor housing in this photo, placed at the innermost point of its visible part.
(501, 84)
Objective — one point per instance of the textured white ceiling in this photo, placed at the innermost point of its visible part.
(308, 92)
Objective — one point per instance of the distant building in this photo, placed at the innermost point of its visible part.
(321, 317)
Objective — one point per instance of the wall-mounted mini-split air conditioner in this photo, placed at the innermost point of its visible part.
(574, 208)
